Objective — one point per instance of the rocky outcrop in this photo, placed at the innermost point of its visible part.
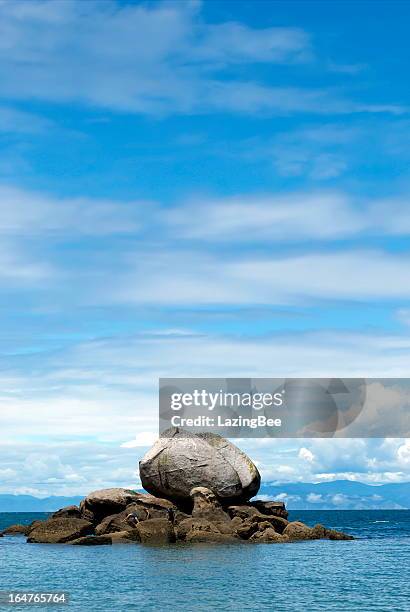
(180, 461)
(144, 507)
(199, 490)
(59, 530)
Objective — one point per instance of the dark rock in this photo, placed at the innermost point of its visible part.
(180, 516)
(249, 513)
(91, 541)
(180, 461)
(247, 529)
(156, 531)
(319, 532)
(267, 536)
(332, 534)
(274, 508)
(144, 507)
(59, 530)
(67, 512)
(113, 523)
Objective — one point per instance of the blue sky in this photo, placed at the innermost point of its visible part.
(205, 189)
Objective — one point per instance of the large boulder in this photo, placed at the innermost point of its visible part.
(59, 530)
(104, 502)
(180, 461)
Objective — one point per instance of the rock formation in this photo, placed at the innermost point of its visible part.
(200, 486)
(180, 461)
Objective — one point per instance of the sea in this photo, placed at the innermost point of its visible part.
(370, 573)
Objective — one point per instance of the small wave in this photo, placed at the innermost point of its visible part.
(381, 522)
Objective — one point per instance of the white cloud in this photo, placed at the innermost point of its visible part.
(403, 454)
(143, 438)
(194, 277)
(151, 59)
(23, 211)
(286, 218)
(306, 455)
(314, 498)
(339, 499)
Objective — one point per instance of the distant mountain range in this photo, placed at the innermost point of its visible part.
(338, 494)
(28, 503)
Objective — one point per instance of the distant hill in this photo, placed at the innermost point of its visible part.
(339, 494)
(29, 503)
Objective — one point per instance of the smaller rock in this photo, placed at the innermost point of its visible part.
(247, 529)
(332, 534)
(267, 536)
(249, 513)
(17, 530)
(274, 508)
(59, 530)
(319, 532)
(105, 502)
(156, 531)
(299, 531)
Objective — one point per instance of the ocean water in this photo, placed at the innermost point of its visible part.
(368, 574)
